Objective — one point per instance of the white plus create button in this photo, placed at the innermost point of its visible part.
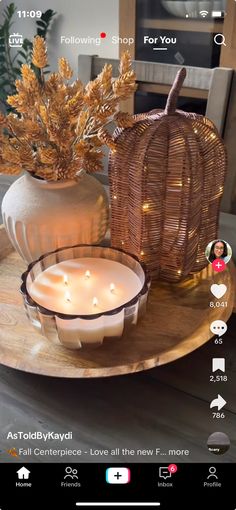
(117, 475)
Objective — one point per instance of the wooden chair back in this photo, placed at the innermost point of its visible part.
(211, 84)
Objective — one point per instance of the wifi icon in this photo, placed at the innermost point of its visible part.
(203, 13)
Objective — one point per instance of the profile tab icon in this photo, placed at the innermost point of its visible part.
(212, 473)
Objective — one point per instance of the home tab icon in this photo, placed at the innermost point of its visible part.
(23, 473)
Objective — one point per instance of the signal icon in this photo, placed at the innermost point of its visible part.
(203, 13)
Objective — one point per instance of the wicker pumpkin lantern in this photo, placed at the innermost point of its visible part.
(166, 181)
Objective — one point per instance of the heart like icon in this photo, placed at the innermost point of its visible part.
(218, 290)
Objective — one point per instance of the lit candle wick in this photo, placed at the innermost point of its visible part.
(65, 279)
(87, 274)
(112, 287)
(95, 301)
(67, 297)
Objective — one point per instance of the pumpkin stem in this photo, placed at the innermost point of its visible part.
(174, 92)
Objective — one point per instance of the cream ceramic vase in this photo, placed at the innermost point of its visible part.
(41, 216)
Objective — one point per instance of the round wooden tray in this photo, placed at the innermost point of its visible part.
(177, 321)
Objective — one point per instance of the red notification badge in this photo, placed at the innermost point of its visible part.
(172, 468)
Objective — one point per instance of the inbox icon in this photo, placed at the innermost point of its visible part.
(118, 475)
(164, 472)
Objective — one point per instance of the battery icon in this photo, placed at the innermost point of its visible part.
(217, 14)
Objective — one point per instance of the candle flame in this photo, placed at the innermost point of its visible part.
(67, 297)
(112, 287)
(65, 279)
(87, 274)
(95, 301)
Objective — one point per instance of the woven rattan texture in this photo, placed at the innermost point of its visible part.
(166, 181)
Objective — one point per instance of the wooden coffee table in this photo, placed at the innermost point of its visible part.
(177, 321)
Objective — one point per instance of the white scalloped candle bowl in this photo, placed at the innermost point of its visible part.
(78, 296)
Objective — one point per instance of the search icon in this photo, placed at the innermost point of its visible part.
(219, 39)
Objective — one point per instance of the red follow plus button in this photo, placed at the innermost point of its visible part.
(218, 265)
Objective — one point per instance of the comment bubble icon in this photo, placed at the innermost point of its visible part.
(218, 328)
(164, 472)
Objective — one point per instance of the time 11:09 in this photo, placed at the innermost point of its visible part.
(29, 14)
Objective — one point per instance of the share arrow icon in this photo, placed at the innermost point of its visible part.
(218, 402)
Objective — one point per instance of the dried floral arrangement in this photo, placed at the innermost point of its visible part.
(60, 128)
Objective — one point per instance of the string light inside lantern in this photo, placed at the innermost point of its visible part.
(87, 274)
(65, 279)
(112, 287)
(67, 297)
(95, 301)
